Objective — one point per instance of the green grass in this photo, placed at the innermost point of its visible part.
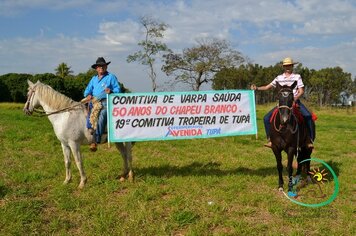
(221, 186)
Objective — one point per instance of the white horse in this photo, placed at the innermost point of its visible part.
(68, 119)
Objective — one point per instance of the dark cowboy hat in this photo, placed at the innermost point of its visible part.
(100, 62)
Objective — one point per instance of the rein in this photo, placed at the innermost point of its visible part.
(43, 113)
(289, 118)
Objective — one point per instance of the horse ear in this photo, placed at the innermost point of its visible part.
(29, 82)
(294, 84)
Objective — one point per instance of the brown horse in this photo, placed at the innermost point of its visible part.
(289, 133)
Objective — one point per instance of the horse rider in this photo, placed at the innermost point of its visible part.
(288, 78)
(101, 84)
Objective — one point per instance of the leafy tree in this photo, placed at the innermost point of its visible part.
(5, 95)
(63, 70)
(232, 78)
(74, 87)
(328, 83)
(15, 87)
(52, 80)
(151, 46)
(197, 65)
(245, 75)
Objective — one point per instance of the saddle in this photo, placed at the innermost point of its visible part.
(296, 112)
(94, 115)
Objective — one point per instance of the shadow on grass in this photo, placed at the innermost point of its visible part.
(213, 169)
(202, 169)
(3, 191)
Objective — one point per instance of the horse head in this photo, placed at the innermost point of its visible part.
(32, 98)
(285, 101)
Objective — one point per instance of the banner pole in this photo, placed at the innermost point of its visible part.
(107, 119)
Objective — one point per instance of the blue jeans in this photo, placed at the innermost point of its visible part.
(102, 121)
(305, 113)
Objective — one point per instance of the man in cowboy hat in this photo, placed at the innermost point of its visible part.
(288, 78)
(101, 84)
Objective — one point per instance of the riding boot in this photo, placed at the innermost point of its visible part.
(93, 147)
(268, 144)
(310, 137)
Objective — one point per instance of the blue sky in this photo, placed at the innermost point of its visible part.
(37, 35)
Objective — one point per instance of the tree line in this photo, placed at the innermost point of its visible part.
(13, 86)
(322, 87)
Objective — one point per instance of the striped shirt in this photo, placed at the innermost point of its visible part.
(284, 80)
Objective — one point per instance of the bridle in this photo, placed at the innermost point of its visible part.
(30, 96)
(285, 92)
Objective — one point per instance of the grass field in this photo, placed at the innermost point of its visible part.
(221, 186)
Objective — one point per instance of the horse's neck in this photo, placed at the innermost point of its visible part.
(52, 101)
(47, 108)
(290, 126)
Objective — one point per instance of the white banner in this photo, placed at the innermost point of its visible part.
(180, 115)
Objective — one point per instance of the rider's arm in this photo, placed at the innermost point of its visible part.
(266, 87)
(89, 89)
(114, 85)
(300, 93)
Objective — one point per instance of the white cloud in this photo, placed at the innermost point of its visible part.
(319, 33)
(120, 33)
(341, 55)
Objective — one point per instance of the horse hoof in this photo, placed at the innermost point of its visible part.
(280, 189)
(122, 179)
(131, 176)
(291, 194)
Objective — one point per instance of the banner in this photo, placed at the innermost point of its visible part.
(180, 115)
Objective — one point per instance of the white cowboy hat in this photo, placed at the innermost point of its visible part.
(288, 61)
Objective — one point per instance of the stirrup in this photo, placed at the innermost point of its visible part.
(269, 144)
(311, 144)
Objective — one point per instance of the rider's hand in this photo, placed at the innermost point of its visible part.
(87, 98)
(107, 90)
(253, 87)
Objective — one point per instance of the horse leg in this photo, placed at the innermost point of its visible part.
(290, 169)
(278, 156)
(307, 152)
(78, 161)
(66, 154)
(122, 150)
(299, 168)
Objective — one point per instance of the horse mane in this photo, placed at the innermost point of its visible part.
(54, 99)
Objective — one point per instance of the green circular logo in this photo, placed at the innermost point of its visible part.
(319, 177)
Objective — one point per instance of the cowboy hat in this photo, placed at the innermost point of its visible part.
(100, 62)
(288, 61)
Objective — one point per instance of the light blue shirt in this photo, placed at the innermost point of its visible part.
(96, 86)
